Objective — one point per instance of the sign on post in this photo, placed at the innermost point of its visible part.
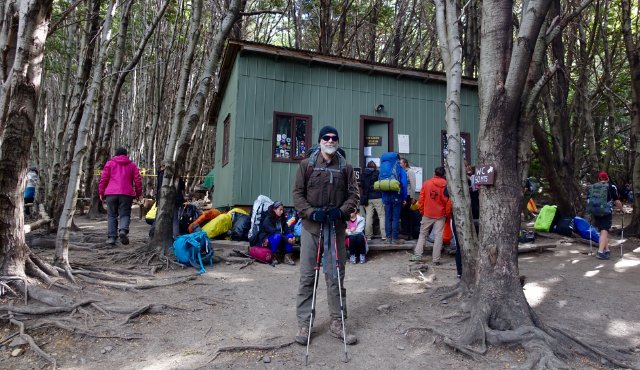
(485, 175)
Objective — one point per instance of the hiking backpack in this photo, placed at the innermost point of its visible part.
(186, 216)
(597, 203)
(192, 249)
(259, 213)
(388, 178)
(546, 217)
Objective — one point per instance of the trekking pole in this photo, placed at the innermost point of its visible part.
(315, 287)
(590, 242)
(622, 232)
(335, 249)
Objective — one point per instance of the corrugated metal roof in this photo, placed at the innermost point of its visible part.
(236, 46)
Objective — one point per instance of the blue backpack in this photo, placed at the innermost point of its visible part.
(388, 178)
(192, 249)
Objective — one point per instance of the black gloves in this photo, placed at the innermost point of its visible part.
(334, 214)
(319, 216)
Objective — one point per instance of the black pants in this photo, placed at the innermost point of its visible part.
(357, 244)
(408, 225)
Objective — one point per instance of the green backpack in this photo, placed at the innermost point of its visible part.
(544, 221)
(597, 203)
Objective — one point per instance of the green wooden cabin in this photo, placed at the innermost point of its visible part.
(273, 101)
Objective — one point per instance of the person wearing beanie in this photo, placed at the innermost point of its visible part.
(120, 183)
(601, 198)
(325, 193)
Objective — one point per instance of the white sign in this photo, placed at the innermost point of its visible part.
(403, 143)
(418, 171)
(367, 151)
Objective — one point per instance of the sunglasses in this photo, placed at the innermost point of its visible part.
(330, 138)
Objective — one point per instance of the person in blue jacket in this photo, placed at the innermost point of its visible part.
(393, 201)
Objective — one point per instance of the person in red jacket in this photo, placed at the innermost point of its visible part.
(433, 207)
(119, 184)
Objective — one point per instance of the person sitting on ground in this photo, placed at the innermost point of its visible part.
(276, 234)
(603, 220)
(356, 240)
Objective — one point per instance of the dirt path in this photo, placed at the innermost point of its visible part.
(255, 306)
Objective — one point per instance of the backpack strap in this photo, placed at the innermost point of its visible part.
(311, 167)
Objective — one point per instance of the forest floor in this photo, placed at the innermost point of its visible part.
(207, 321)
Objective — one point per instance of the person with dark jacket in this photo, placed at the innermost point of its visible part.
(603, 222)
(120, 182)
(371, 199)
(276, 234)
(325, 193)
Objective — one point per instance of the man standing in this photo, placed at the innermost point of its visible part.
(432, 205)
(325, 193)
(390, 169)
(406, 215)
(602, 197)
(117, 182)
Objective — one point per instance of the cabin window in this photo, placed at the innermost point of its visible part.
(291, 136)
(225, 141)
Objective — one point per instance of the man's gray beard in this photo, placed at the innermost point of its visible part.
(329, 150)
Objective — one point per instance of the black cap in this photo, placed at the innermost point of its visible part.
(121, 151)
(327, 130)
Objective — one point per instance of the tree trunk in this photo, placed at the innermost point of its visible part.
(23, 34)
(61, 258)
(324, 45)
(499, 305)
(632, 47)
(178, 146)
(450, 50)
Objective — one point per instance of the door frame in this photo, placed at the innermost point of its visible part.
(388, 121)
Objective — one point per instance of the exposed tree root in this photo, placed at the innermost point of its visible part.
(78, 330)
(125, 286)
(28, 310)
(150, 308)
(123, 271)
(248, 348)
(33, 344)
(103, 276)
(593, 350)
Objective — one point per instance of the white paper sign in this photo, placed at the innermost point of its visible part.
(418, 171)
(367, 151)
(403, 143)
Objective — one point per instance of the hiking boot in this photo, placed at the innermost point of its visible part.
(302, 336)
(124, 238)
(362, 258)
(288, 260)
(274, 260)
(387, 240)
(352, 259)
(111, 241)
(336, 331)
(415, 258)
(398, 241)
(602, 256)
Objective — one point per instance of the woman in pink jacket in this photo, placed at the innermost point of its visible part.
(120, 182)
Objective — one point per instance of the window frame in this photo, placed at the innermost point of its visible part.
(307, 136)
(226, 136)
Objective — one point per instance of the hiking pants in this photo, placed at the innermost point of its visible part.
(119, 211)
(357, 244)
(438, 226)
(392, 209)
(374, 205)
(308, 249)
(277, 242)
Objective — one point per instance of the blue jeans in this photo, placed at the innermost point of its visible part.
(119, 210)
(392, 209)
(277, 241)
